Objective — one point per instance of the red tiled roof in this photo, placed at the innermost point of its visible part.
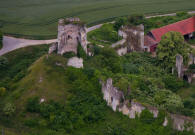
(184, 27)
(148, 41)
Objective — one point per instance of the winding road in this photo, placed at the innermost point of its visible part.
(11, 43)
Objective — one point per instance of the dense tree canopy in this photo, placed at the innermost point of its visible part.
(172, 43)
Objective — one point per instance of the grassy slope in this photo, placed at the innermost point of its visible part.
(39, 18)
(55, 86)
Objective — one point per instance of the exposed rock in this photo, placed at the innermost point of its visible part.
(165, 123)
(122, 51)
(53, 48)
(75, 62)
(42, 100)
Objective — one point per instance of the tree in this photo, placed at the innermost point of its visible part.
(9, 109)
(136, 19)
(172, 43)
(120, 22)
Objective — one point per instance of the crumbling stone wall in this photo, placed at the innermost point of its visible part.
(115, 99)
(179, 65)
(71, 33)
(134, 36)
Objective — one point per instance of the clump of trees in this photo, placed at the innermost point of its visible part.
(170, 46)
(133, 20)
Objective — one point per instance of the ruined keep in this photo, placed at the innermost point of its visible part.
(71, 33)
(134, 36)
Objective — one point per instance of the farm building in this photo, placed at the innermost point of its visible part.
(185, 27)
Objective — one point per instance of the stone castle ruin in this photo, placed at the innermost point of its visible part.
(134, 36)
(71, 33)
(132, 108)
(184, 72)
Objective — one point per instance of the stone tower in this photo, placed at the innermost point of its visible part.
(71, 33)
(179, 65)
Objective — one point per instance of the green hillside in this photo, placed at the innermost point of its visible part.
(38, 18)
(73, 102)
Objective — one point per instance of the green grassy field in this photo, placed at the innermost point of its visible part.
(38, 18)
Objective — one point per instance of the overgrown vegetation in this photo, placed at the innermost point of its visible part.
(73, 102)
(105, 35)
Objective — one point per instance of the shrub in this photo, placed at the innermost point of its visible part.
(2, 91)
(9, 109)
(180, 14)
(80, 52)
(31, 122)
(172, 83)
(33, 104)
(3, 62)
(146, 117)
(69, 55)
(120, 22)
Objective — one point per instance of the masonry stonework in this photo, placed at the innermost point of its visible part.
(71, 33)
(115, 99)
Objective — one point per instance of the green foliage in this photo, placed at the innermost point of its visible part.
(172, 43)
(2, 91)
(13, 65)
(69, 55)
(3, 62)
(172, 83)
(136, 19)
(80, 52)
(33, 104)
(147, 117)
(105, 35)
(120, 22)
(181, 14)
(9, 109)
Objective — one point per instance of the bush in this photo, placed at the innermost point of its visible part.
(80, 52)
(9, 109)
(69, 55)
(2, 91)
(33, 104)
(3, 62)
(172, 83)
(180, 14)
(146, 117)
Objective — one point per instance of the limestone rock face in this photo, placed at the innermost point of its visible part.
(75, 62)
(70, 34)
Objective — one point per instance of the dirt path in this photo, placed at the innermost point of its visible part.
(11, 43)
